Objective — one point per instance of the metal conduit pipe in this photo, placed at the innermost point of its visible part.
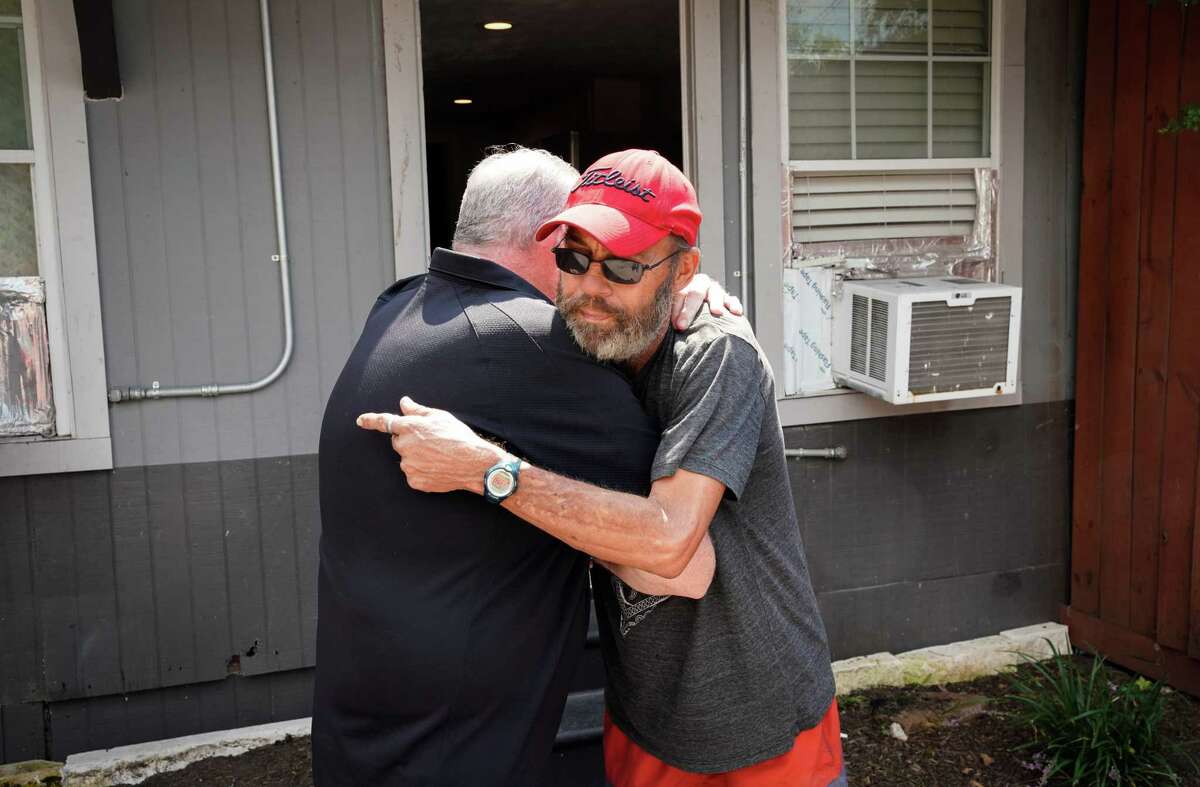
(836, 452)
(155, 391)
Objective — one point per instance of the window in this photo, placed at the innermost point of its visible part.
(53, 405)
(26, 403)
(889, 130)
(889, 80)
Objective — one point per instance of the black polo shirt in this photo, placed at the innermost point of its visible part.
(448, 629)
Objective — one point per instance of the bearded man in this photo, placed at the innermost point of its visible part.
(718, 668)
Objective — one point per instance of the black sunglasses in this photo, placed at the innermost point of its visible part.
(616, 269)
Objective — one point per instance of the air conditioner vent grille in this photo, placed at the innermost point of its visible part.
(879, 340)
(956, 348)
(858, 336)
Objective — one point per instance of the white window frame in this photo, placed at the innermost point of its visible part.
(771, 189)
(66, 246)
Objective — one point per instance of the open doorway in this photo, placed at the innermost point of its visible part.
(577, 77)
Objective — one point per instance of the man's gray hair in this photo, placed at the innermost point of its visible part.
(508, 196)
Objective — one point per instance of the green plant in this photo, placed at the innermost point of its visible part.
(1188, 119)
(1089, 730)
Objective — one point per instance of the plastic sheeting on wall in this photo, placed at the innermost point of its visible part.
(807, 330)
(26, 399)
(814, 273)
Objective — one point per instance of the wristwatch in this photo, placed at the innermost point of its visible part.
(500, 480)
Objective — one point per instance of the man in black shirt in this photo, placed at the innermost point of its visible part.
(448, 629)
(733, 685)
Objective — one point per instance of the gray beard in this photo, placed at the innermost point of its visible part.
(632, 334)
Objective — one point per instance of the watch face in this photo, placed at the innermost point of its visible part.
(500, 483)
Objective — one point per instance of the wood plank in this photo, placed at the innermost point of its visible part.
(180, 168)
(306, 509)
(18, 608)
(270, 423)
(206, 557)
(1187, 204)
(99, 654)
(137, 624)
(243, 550)
(364, 146)
(306, 170)
(217, 136)
(116, 271)
(1132, 650)
(327, 221)
(172, 576)
(1121, 302)
(1095, 210)
(1194, 619)
(1183, 385)
(283, 649)
(55, 583)
(149, 273)
(1154, 310)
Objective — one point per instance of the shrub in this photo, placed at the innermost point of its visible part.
(1089, 730)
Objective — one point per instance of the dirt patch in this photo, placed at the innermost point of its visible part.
(960, 734)
(963, 734)
(287, 763)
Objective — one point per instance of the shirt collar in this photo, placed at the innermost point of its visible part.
(481, 271)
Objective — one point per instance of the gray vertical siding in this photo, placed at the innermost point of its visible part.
(181, 174)
(146, 578)
(1054, 49)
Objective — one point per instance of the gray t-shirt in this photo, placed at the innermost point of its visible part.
(729, 680)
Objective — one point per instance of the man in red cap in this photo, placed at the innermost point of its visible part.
(718, 667)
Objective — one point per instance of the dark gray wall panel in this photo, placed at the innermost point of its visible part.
(244, 568)
(174, 627)
(145, 578)
(146, 582)
(903, 616)
(926, 499)
(202, 496)
(24, 730)
(182, 181)
(20, 675)
(103, 722)
(135, 580)
(53, 548)
(99, 649)
(282, 649)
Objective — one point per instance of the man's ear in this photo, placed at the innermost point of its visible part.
(689, 266)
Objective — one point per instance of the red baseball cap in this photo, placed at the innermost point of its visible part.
(629, 201)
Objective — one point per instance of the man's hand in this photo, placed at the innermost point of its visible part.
(702, 290)
(438, 452)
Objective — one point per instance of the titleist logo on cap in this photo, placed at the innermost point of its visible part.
(607, 176)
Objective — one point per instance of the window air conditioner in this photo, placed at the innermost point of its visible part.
(924, 339)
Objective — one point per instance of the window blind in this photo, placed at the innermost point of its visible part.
(862, 75)
(862, 206)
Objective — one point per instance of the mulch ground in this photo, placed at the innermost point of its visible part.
(959, 734)
(963, 734)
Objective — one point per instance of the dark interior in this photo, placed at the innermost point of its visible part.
(579, 78)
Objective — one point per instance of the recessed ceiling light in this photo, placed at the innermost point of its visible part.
(497, 26)
(462, 101)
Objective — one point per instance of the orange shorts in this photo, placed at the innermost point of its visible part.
(815, 760)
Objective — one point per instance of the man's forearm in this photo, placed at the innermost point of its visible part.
(613, 527)
(692, 583)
